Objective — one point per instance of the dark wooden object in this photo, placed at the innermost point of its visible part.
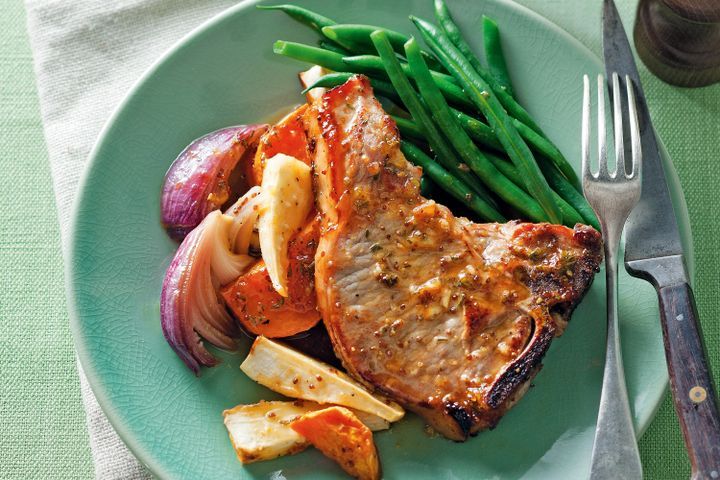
(679, 40)
(691, 381)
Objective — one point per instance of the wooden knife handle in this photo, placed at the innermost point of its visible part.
(690, 380)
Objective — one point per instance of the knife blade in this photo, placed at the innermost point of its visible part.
(652, 229)
(653, 251)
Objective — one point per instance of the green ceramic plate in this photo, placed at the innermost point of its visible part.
(225, 73)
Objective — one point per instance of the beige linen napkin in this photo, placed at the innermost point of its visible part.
(88, 54)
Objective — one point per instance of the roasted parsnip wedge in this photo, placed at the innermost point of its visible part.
(287, 200)
(296, 375)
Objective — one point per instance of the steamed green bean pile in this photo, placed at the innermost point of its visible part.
(459, 117)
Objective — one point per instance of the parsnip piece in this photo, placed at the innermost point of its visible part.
(261, 431)
(310, 76)
(287, 198)
(296, 375)
(373, 422)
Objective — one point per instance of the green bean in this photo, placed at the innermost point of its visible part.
(455, 38)
(499, 80)
(561, 185)
(494, 54)
(330, 80)
(427, 186)
(570, 214)
(448, 25)
(459, 190)
(483, 134)
(350, 35)
(309, 54)
(373, 65)
(450, 126)
(546, 149)
(302, 15)
(333, 47)
(481, 95)
(409, 97)
(479, 131)
(370, 65)
(408, 128)
(572, 204)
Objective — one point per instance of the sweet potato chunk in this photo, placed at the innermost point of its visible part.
(263, 311)
(287, 136)
(340, 435)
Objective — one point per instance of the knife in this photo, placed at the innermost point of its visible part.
(654, 253)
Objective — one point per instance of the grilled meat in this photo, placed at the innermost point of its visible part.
(447, 317)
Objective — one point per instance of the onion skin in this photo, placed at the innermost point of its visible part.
(191, 307)
(177, 300)
(198, 180)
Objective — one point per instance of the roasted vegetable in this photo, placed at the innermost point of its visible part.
(287, 201)
(341, 436)
(262, 431)
(286, 136)
(215, 252)
(296, 375)
(263, 311)
(199, 180)
(307, 78)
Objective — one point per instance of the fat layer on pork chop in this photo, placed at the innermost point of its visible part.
(448, 317)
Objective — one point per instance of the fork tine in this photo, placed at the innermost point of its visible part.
(602, 134)
(634, 132)
(618, 126)
(585, 142)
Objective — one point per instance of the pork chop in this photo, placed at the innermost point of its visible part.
(448, 317)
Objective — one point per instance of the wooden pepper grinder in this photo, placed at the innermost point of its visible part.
(679, 40)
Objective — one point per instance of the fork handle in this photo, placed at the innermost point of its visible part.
(615, 454)
(691, 383)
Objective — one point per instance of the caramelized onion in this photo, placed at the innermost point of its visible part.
(199, 182)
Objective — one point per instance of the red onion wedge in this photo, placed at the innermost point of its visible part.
(212, 254)
(199, 180)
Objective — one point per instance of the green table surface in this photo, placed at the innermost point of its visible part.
(42, 422)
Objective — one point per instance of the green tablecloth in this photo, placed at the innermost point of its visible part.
(42, 425)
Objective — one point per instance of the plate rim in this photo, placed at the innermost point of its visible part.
(145, 456)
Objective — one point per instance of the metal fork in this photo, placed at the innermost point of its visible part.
(612, 193)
